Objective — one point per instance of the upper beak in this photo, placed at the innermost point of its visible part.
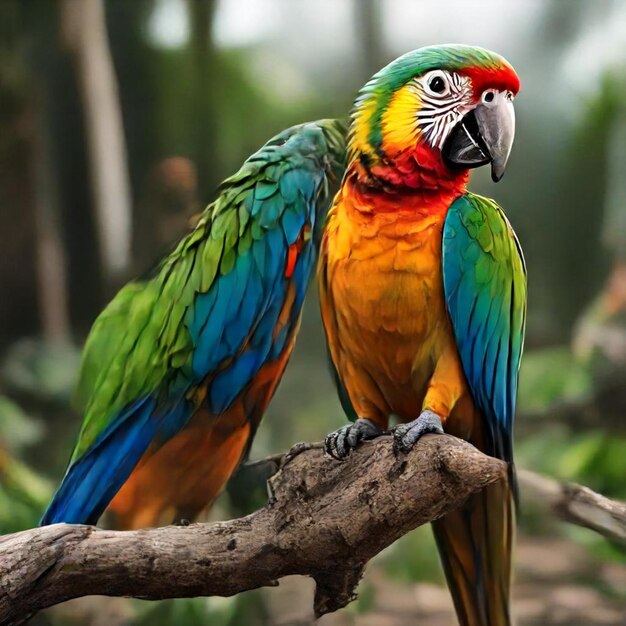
(484, 135)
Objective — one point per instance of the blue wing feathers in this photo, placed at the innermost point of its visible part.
(293, 221)
(272, 209)
(302, 273)
(479, 285)
(254, 290)
(264, 190)
(288, 184)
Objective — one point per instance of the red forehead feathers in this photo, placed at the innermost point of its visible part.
(500, 77)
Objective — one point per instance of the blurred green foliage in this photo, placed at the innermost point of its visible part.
(413, 558)
(194, 611)
(594, 458)
(41, 369)
(23, 492)
(551, 375)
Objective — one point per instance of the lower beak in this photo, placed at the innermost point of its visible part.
(484, 135)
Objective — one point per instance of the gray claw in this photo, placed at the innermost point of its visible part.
(405, 436)
(341, 442)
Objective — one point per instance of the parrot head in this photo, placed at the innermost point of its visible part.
(436, 112)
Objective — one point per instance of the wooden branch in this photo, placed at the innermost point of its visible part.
(326, 519)
(578, 505)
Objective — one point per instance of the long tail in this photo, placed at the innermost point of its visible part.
(475, 544)
(92, 480)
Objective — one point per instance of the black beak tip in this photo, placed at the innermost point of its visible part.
(496, 173)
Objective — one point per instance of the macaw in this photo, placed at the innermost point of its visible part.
(423, 291)
(179, 368)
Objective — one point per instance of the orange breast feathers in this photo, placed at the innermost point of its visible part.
(383, 305)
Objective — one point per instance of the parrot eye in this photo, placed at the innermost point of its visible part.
(437, 83)
(488, 96)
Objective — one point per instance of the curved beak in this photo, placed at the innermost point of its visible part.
(484, 135)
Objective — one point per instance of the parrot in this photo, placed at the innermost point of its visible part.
(423, 291)
(179, 368)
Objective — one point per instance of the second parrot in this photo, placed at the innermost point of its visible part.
(179, 368)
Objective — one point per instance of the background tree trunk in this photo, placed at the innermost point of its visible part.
(83, 27)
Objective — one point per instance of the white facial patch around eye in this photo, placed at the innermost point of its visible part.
(441, 112)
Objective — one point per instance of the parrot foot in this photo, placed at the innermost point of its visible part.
(341, 442)
(405, 436)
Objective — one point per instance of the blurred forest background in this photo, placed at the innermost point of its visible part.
(118, 118)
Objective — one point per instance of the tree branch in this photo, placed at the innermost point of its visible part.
(326, 519)
(578, 505)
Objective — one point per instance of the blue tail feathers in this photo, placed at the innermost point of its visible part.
(92, 481)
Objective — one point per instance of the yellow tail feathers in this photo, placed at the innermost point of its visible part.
(475, 544)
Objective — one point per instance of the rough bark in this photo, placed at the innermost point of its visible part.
(325, 519)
